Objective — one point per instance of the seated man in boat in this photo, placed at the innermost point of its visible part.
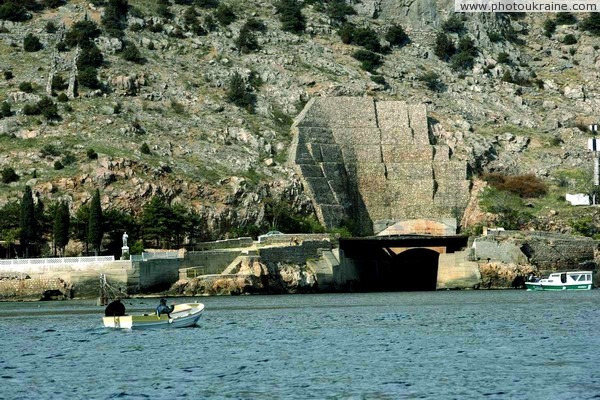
(163, 308)
(115, 309)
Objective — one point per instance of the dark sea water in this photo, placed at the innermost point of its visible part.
(436, 345)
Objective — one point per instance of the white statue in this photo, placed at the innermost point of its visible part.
(125, 239)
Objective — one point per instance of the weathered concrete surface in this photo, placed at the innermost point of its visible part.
(455, 271)
(373, 162)
(443, 227)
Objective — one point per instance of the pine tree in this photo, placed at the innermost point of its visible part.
(95, 231)
(27, 225)
(60, 230)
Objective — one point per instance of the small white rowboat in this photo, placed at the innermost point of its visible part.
(183, 315)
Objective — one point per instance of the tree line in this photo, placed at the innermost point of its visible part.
(30, 228)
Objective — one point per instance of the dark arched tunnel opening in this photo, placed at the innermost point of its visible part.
(397, 263)
(411, 270)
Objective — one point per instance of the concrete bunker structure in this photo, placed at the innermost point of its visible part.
(375, 163)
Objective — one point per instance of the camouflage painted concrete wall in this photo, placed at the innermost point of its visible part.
(373, 162)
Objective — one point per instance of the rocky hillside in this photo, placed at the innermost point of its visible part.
(164, 120)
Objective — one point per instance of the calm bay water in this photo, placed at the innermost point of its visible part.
(471, 344)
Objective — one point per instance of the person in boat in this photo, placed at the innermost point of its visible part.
(163, 308)
(115, 309)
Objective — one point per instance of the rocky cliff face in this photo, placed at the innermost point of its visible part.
(211, 155)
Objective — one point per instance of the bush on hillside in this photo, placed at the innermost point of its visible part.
(238, 94)
(32, 43)
(290, 16)
(88, 77)
(524, 186)
(591, 24)
(432, 81)
(81, 33)
(207, 3)
(396, 36)
(569, 39)
(144, 148)
(13, 11)
(90, 56)
(454, 24)
(444, 47)
(246, 41)
(369, 61)
(48, 108)
(225, 15)
(26, 87)
(91, 154)
(9, 175)
(338, 11)
(132, 53)
(5, 110)
(51, 27)
(565, 18)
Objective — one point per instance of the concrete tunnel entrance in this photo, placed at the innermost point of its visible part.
(403, 263)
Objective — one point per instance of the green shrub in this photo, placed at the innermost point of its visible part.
(32, 43)
(9, 175)
(48, 108)
(503, 58)
(380, 80)
(524, 186)
(207, 3)
(444, 47)
(508, 207)
(163, 10)
(69, 159)
(255, 25)
(586, 226)
(246, 42)
(569, 39)
(51, 27)
(114, 18)
(88, 77)
(5, 110)
(26, 87)
(338, 10)
(62, 46)
(549, 27)
(31, 109)
(10, 11)
(58, 165)
(565, 18)
(144, 148)
(238, 94)
(91, 154)
(225, 15)
(396, 36)
(132, 53)
(8, 75)
(58, 83)
(432, 81)
(290, 16)
(462, 61)
(62, 98)
(49, 150)
(454, 24)
(367, 38)
(209, 23)
(495, 37)
(90, 56)
(507, 77)
(81, 33)
(591, 24)
(369, 61)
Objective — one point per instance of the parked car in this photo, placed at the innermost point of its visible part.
(269, 234)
